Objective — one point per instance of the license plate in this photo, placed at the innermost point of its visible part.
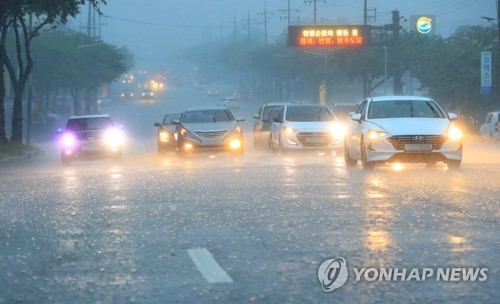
(418, 147)
(91, 148)
(314, 140)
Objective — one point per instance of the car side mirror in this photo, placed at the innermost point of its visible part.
(176, 122)
(278, 119)
(157, 124)
(256, 116)
(452, 116)
(356, 117)
(240, 119)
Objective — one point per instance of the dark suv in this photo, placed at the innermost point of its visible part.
(90, 136)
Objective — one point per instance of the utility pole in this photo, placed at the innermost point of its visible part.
(248, 25)
(89, 21)
(365, 12)
(288, 11)
(314, 6)
(397, 68)
(234, 27)
(497, 73)
(265, 22)
(288, 17)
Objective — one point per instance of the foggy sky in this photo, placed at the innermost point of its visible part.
(151, 29)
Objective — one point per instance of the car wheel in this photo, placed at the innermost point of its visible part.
(366, 164)
(65, 160)
(350, 162)
(453, 164)
(161, 149)
(430, 164)
(271, 146)
(256, 143)
(118, 157)
(281, 151)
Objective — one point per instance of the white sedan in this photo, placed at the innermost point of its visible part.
(306, 127)
(402, 129)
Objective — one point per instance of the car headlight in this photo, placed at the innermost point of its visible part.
(184, 132)
(338, 130)
(235, 144)
(373, 134)
(289, 130)
(114, 137)
(454, 133)
(164, 136)
(68, 140)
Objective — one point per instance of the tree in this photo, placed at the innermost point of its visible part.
(17, 15)
(76, 62)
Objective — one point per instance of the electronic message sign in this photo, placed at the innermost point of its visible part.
(318, 36)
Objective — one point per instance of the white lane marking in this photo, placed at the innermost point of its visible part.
(208, 266)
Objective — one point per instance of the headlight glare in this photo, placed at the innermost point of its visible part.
(289, 130)
(338, 130)
(454, 133)
(235, 144)
(373, 134)
(113, 137)
(68, 140)
(164, 136)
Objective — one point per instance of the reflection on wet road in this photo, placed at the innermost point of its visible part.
(122, 232)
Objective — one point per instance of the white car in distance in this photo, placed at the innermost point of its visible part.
(306, 127)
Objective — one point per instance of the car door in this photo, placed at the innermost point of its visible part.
(488, 127)
(356, 131)
(277, 117)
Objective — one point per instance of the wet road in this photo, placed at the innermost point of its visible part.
(144, 230)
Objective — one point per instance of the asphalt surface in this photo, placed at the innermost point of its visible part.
(253, 228)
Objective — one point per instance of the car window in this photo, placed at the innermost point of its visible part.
(404, 108)
(204, 116)
(89, 123)
(489, 117)
(309, 113)
(168, 119)
(268, 112)
(361, 108)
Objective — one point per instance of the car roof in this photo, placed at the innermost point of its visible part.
(307, 105)
(206, 108)
(398, 97)
(90, 116)
(270, 104)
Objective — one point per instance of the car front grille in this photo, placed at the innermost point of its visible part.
(211, 134)
(399, 142)
(314, 138)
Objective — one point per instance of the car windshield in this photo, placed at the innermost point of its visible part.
(204, 116)
(89, 123)
(309, 113)
(404, 108)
